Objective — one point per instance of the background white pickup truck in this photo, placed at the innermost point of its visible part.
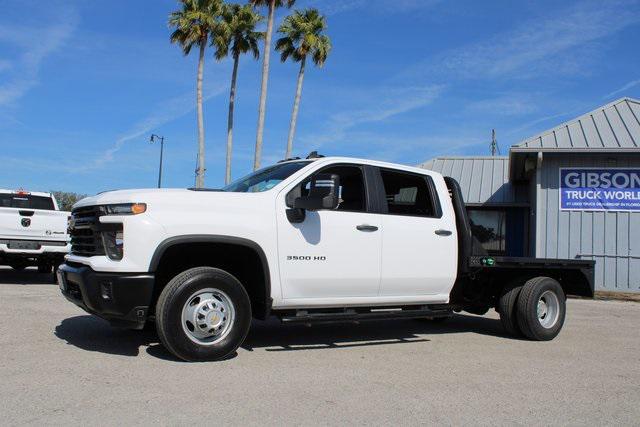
(313, 240)
(32, 230)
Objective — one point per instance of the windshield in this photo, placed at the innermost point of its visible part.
(266, 178)
(26, 201)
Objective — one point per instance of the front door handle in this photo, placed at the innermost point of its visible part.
(442, 232)
(365, 227)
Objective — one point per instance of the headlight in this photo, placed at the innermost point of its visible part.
(123, 209)
(113, 243)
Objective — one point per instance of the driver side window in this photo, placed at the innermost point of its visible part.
(352, 195)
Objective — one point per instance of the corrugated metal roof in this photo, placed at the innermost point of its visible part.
(612, 127)
(483, 180)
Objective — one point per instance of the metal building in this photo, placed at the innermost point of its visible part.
(572, 191)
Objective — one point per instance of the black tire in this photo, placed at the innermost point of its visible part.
(508, 309)
(18, 266)
(438, 319)
(529, 321)
(44, 268)
(174, 297)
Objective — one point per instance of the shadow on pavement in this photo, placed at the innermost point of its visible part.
(93, 334)
(277, 337)
(29, 276)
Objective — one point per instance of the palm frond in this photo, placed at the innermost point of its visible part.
(194, 22)
(303, 34)
(236, 31)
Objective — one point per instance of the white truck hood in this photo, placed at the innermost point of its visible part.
(171, 198)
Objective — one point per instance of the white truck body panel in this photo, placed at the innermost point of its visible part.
(42, 225)
(354, 271)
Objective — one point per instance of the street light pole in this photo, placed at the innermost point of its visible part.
(153, 138)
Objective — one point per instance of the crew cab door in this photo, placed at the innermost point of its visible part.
(331, 254)
(419, 242)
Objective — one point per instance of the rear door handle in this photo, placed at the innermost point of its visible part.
(442, 232)
(365, 227)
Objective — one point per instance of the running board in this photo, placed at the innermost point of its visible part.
(355, 315)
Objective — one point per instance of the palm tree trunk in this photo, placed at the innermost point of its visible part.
(296, 106)
(232, 98)
(263, 91)
(200, 168)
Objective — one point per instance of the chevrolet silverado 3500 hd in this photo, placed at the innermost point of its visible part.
(32, 230)
(313, 240)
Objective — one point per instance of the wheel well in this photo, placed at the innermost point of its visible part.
(248, 264)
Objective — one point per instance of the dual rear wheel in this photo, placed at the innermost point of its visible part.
(535, 309)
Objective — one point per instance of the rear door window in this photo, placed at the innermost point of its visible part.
(26, 201)
(410, 194)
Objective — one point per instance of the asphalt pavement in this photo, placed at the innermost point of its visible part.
(59, 365)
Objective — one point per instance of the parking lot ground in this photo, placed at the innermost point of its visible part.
(59, 365)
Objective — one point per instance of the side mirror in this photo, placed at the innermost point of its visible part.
(323, 193)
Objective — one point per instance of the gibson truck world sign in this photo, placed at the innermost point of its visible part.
(595, 189)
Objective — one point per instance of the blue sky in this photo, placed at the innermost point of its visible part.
(84, 83)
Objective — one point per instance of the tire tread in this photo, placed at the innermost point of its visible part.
(169, 291)
(524, 306)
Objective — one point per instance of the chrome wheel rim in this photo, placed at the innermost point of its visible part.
(207, 316)
(548, 309)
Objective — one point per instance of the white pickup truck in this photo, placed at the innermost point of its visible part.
(32, 230)
(311, 240)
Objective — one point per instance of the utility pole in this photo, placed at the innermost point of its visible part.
(154, 138)
(494, 143)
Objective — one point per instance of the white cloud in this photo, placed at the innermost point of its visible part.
(333, 7)
(537, 46)
(34, 45)
(5, 65)
(508, 105)
(384, 104)
(166, 112)
(624, 88)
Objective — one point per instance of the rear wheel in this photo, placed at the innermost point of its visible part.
(18, 265)
(541, 308)
(508, 307)
(203, 314)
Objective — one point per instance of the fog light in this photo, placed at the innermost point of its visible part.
(113, 242)
(106, 290)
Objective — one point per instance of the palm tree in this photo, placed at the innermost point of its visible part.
(193, 25)
(237, 33)
(272, 4)
(302, 37)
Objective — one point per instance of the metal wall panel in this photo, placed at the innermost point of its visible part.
(483, 180)
(612, 239)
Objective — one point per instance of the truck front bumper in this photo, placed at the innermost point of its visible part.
(123, 299)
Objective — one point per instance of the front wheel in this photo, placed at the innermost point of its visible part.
(44, 267)
(541, 308)
(203, 313)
